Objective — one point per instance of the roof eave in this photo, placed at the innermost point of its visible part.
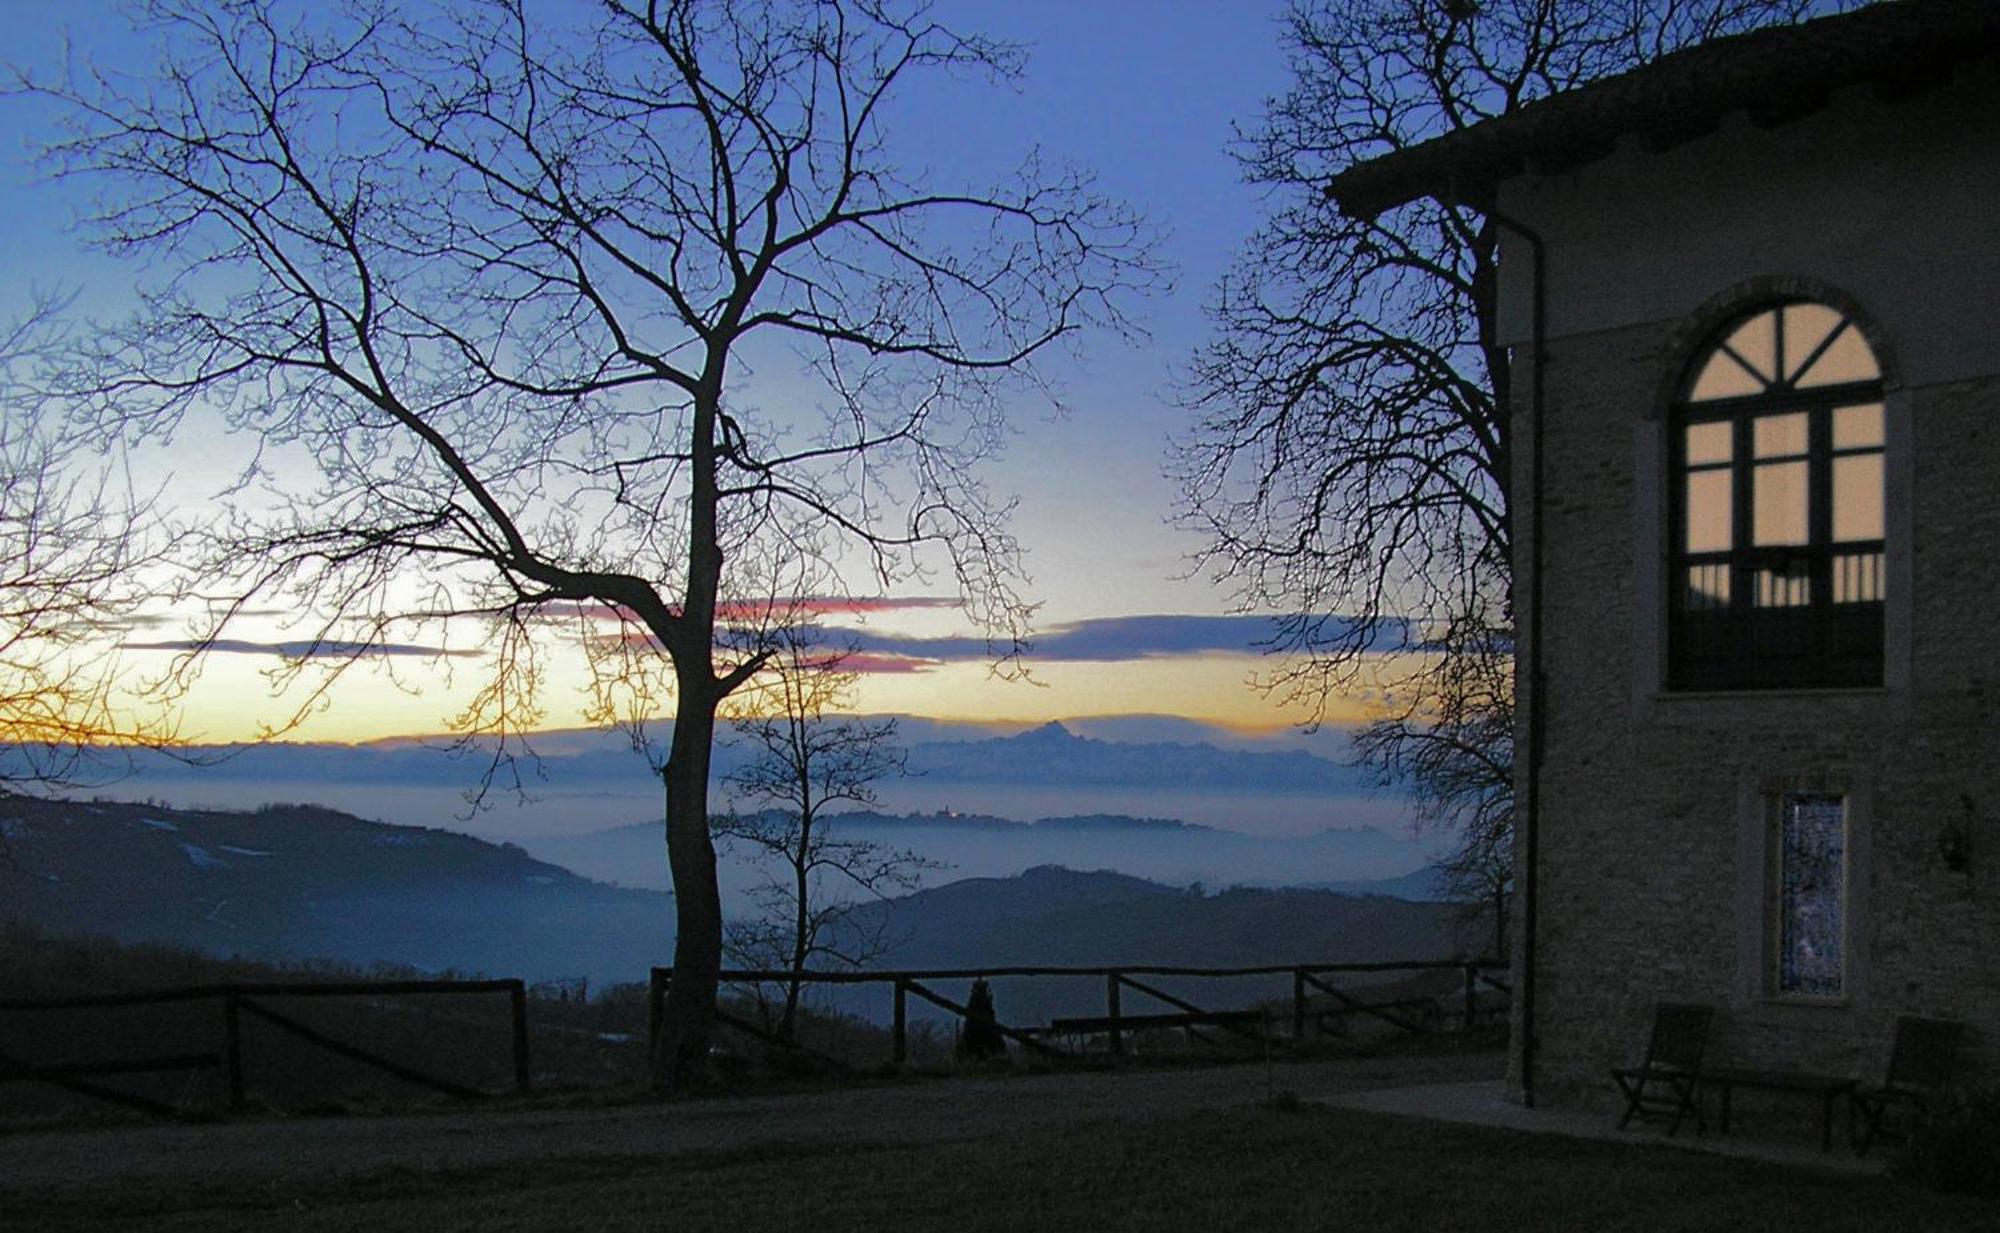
(1563, 132)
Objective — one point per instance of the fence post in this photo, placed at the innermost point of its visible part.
(1111, 982)
(1471, 998)
(518, 996)
(902, 1034)
(232, 1048)
(1298, 1003)
(655, 994)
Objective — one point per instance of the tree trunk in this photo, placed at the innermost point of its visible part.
(680, 1054)
(788, 1020)
(801, 875)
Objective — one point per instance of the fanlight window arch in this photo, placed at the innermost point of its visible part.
(1778, 506)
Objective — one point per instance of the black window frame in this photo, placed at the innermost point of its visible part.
(1739, 644)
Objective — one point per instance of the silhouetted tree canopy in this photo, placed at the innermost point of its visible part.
(74, 538)
(1351, 455)
(478, 290)
(809, 760)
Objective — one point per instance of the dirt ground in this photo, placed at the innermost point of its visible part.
(924, 1111)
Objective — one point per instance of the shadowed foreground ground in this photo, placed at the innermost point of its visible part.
(919, 1111)
(1181, 1149)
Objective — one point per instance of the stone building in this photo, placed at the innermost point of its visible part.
(1754, 289)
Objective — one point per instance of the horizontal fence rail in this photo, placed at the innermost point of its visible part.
(1409, 1014)
(239, 1000)
(276, 989)
(867, 975)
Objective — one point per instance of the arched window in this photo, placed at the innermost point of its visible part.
(1777, 455)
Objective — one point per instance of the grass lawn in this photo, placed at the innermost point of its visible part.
(1274, 1168)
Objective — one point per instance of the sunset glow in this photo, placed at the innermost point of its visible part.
(233, 698)
(1120, 628)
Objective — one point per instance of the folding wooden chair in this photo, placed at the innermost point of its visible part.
(1921, 1062)
(1667, 1083)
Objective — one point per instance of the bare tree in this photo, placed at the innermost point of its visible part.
(1351, 453)
(807, 757)
(485, 288)
(73, 542)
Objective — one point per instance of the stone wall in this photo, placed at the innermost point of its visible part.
(1656, 807)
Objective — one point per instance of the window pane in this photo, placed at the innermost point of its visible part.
(1709, 443)
(1857, 578)
(1778, 435)
(1784, 586)
(1707, 586)
(1848, 359)
(1723, 377)
(1857, 497)
(1806, 327)
(1857, 427)
(1756, 340)
(1778, 504)
(1812, 876)
(1708, 511)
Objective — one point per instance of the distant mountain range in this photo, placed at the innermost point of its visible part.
(1050, 753)
(1053, 753)
(980, 845)
(311, 883)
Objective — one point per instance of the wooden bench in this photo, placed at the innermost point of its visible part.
(1828, 1089)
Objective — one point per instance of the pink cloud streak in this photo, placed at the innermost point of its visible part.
(802, 605)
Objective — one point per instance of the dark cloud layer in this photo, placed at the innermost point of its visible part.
(1105, 639)
(765, 607)
(1113, 639)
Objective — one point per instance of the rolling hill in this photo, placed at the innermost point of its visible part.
(305, 882)
(300, 882)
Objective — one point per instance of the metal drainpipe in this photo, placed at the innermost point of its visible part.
(1537, 677)
(1531, 816)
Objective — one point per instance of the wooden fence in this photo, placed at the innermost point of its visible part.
(237, 1002)
(1116, 1024)
(1317, 1005)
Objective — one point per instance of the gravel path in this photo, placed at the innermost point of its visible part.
(918, 1112)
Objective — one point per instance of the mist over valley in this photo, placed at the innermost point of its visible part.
(570, 783)
(303, 882)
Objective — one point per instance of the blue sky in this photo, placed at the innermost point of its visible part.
(1142, 94)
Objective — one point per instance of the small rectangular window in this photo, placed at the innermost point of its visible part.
(1810, 892)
